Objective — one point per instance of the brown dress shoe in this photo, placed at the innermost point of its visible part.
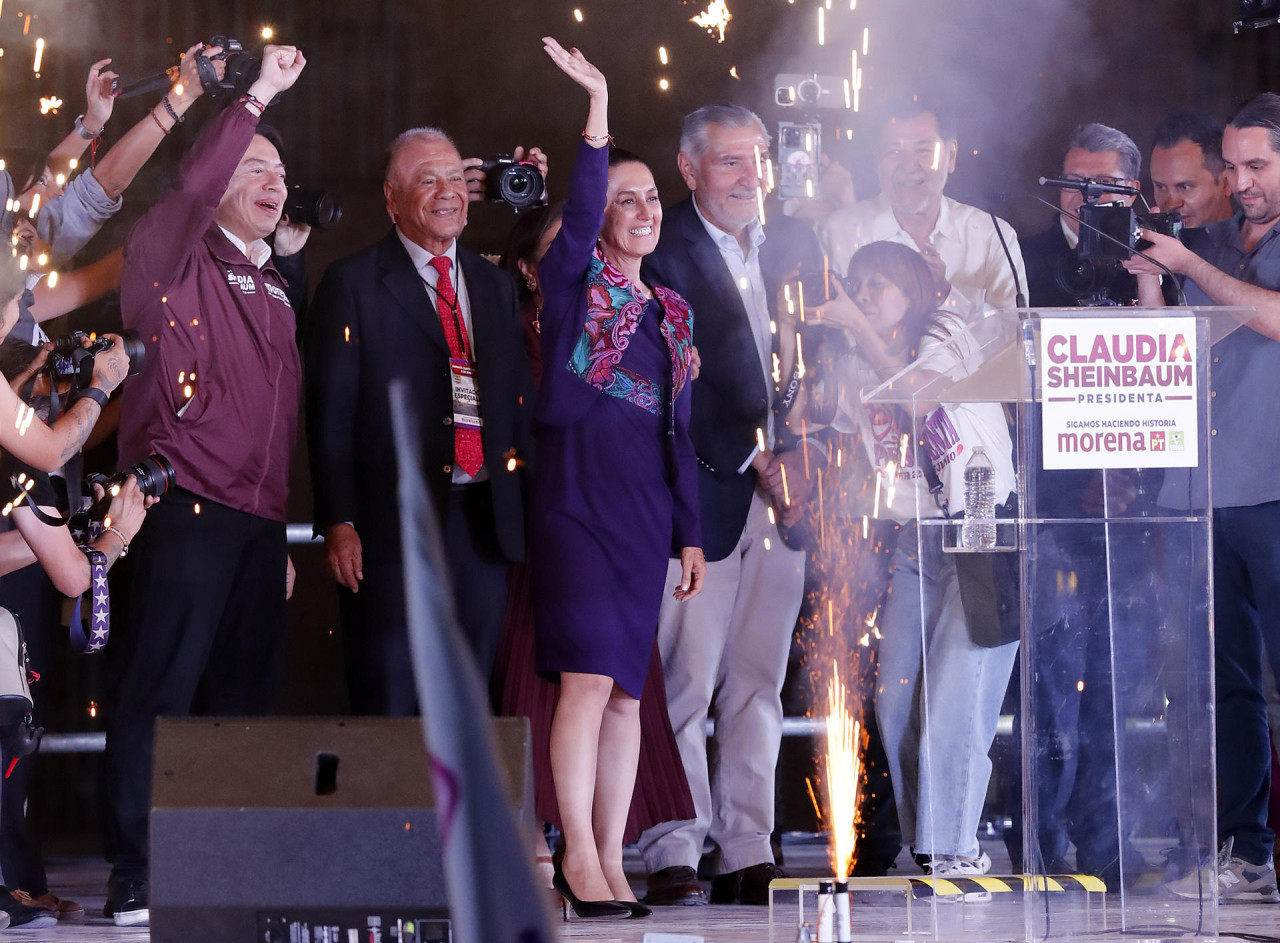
(748, 886)
(675, 887)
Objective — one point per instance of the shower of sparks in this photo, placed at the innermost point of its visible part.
(662, 54)
(577, 15)
(843, 780)
(39, 56)
(267, 32)
(848, 94)
(714, 18)
(51, 104)
(937, 154)
(733, 71)
(866, 39)
(822, 26)
(663, 84)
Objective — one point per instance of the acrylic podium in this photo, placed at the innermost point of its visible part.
(1097, 575)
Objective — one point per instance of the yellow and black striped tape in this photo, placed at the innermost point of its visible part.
(926, 886)
(945, 887)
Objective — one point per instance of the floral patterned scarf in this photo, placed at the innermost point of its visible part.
(614, 310)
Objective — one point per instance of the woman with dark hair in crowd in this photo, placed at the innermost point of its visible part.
(528, 243)
(614, 494)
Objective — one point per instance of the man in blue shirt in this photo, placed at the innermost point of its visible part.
(1237, 262)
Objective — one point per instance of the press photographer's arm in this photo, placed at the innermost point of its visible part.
(1222, 288)
(56, 550)
(48, 448)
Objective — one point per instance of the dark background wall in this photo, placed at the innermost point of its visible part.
(1021, 74)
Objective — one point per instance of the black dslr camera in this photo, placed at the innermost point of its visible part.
(71, 361)
(311, 206)
(242, 70)
(517, 184)
(154, 474)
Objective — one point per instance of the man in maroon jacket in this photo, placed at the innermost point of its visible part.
(218, 397)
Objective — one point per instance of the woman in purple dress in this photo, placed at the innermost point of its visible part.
(614, 492)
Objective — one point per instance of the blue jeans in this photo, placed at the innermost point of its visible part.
(1246, 596)
(938, 700)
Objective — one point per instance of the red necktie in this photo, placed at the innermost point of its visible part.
(468, 449)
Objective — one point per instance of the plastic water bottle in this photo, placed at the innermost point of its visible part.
(979, 529)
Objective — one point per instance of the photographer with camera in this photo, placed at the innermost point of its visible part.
(218, 397)
(1237, 262)
(48, 447)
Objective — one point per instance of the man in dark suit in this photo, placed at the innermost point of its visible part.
(419, 306)
(727, 654)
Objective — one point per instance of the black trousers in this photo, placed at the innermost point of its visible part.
(204, 636)
(375, 638)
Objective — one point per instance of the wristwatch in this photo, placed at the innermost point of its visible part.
(85, 132)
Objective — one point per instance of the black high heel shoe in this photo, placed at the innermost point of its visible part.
(637, 909)
(587, 909)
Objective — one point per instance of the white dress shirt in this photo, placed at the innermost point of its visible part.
(964, 238)
(744, 267)
(257, 252)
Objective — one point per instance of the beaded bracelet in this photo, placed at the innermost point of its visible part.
(247, 99)
(177, 118)
(596, 139)
(124, 550)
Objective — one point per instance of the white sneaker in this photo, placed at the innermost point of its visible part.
(1238, 881)
(961, 866)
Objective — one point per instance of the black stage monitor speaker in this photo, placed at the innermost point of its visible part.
(280, 829)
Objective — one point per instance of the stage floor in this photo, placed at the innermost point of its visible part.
(85, 880)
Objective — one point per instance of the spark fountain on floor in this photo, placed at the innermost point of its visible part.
(841, 785)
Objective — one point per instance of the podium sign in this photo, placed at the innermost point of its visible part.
(1118, 393)
(1099, 766)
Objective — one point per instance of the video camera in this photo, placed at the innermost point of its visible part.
(1110, 230)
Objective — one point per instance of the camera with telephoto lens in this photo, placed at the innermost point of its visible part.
(154, 474)
(311, 206)
(72, 361)
(242, 69)
(1121, 223)
(517, 183)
